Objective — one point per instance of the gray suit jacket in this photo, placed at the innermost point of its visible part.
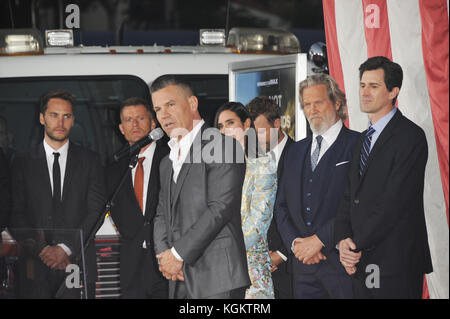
(202, 221)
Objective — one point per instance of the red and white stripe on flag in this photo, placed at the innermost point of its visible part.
(415, 34)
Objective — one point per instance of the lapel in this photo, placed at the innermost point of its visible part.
(296, 177)
(130, 190)
(188, 163)
(40, 170)
(356, 157)
(180, 180)
(384, 137)
(169, 179)
(283, 153)
(72, 159)
(152, 189)
(332, 156)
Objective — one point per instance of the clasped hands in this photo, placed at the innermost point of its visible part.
(308, 250)
(170, 267)
(55, 257)
(347, 257)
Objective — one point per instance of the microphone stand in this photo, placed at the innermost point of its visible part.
(109, 204)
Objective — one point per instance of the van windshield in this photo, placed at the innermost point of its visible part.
(96, 110)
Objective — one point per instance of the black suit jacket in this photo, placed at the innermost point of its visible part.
(282, 280)
(134, 226)
(5, 191)
(382, 211)
(83, 196)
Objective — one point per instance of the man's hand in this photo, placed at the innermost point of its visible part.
(55, 257)
(315, 259)
(169, 265)
(276, 260)
(347, 257)
(350, 270)
(180, 276)
(308, 249)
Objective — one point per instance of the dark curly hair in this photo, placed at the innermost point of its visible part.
(263, 105)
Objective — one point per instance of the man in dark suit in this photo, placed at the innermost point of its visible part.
(57, 185)
(380, 227)
(197, 233)
(267, 120)
(135, 205)
(310, 189)
(5, 191)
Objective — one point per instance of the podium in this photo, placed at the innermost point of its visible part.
(23, 273)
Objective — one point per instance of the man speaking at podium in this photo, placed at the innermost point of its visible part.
(198, 235)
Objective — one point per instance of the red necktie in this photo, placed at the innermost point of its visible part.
(139, 183)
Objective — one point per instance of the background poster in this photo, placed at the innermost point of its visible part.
(277, 84)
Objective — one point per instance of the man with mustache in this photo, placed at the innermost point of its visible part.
(56, 185)
(310, 189)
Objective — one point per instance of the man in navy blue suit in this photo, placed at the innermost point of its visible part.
(310, 190)
(380, 226)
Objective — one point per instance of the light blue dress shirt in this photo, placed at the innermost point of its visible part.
(380, 125)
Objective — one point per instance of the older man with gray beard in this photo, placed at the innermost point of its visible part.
(310, 190)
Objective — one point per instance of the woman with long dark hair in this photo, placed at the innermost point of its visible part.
(258, 196)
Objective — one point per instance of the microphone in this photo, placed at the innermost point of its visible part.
(130, 150)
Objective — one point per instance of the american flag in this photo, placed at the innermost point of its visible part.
(415, 34)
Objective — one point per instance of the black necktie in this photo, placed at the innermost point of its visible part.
(56, 200)
(56, 180)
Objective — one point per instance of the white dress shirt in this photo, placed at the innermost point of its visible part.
(328, 139)
(147, 165)
(178, 152)
(278, 149)
(62, 161)
(63, 150)
(180, 149)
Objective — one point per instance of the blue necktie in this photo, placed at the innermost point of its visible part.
(365, 151)
(315, 154)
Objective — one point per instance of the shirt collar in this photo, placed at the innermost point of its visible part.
(186, 141)
(331, 134)
(148, 152)
(381, 123)
(62, 150)
(278, 149)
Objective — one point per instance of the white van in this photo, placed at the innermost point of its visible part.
(101, 78)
